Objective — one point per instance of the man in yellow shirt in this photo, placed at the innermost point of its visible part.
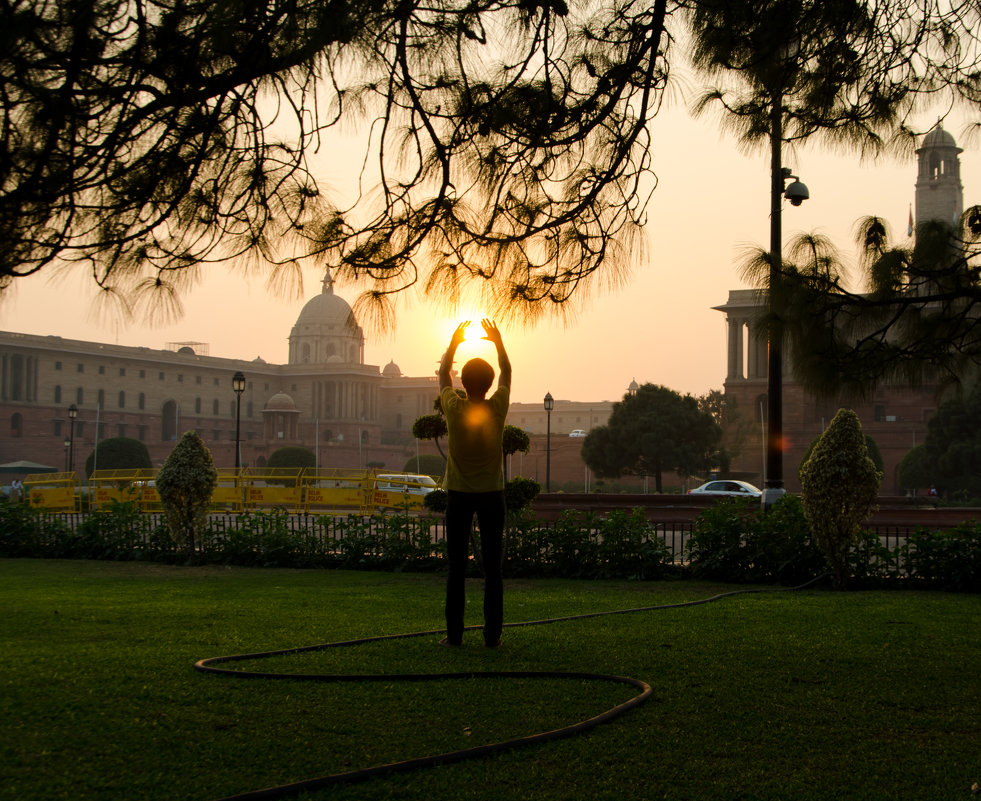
(474, 481)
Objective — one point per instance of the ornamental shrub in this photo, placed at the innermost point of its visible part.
(839, 485)
(185, 484)
(118, 453)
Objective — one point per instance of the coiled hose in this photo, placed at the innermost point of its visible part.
(349, 777)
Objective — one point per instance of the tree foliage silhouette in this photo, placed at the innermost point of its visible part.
(510, 140)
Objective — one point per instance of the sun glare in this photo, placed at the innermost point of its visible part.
(473, 345)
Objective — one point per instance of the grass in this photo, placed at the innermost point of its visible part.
(805, 695)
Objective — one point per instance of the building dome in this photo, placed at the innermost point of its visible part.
(391, 370)
(280, 402)
(938, 137)
(326, 331)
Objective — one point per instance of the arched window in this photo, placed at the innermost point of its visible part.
(16, 425)
(305, 353)
(168, 419)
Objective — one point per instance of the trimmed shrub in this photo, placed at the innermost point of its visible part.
(118, 453)
(839, 484)
(185, 484)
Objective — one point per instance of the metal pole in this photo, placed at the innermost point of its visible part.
(548, 451)
(238, 432)
(773, 485)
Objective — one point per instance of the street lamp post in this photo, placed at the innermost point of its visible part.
(72, 414)
(549, 405)
(796, 193)
(68, 444)
(238, 384)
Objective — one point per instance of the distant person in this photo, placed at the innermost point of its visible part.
(474, 481)
(932, 492)
(16, 490)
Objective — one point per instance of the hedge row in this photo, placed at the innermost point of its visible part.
(731, 542)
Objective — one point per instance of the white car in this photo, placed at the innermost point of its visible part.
(727, 486)
(578, 433)
(405, 482)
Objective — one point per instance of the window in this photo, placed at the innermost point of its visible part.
(102, 399)
(57, 393)
(79, 394)
(121, 430)
(214, 406)
(141, 401)
(141, 433)
(197, 379)
(16, 425)
(197, 406)
(122, 371)
(102, 369)
(142, 373)
(81, 368)
(57, 428)
(122, 400)
(57, 365)
(880, 413)
(180, 378)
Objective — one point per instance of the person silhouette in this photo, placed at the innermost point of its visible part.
(474, 480)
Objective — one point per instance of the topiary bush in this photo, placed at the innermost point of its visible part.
(429, 464)
(185, 484)
(118, 453)
(839, 486)
(292, 456)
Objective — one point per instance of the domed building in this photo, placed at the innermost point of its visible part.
(326, 332)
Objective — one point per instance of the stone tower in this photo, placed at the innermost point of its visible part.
(939, 194)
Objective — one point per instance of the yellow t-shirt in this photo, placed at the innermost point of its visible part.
(476, 433)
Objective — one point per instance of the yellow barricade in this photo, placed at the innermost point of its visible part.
(335, 488)
(54, 491)
(137, 484)
(272, 486)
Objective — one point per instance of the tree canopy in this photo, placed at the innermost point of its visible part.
(652, 431)
(953, 446)
(918, 317)
(510, 141)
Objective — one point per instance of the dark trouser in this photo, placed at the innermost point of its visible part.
(460, 509)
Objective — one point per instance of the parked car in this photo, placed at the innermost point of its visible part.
(405, 482)
(578, 433)
(739, 489)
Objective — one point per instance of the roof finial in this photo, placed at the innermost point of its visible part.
(328, 283)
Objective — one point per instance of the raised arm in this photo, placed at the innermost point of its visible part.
(493, 334)
(446, 363)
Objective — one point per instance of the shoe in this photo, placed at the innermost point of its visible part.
(446, 641)
(493, 644)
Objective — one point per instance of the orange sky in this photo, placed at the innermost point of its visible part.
(711, 203)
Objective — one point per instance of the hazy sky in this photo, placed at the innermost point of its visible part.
(710, 205)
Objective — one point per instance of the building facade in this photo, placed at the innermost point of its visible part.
(895, 417)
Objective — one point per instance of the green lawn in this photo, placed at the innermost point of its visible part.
(804, 695)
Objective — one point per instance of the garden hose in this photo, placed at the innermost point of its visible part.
(644, 692)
